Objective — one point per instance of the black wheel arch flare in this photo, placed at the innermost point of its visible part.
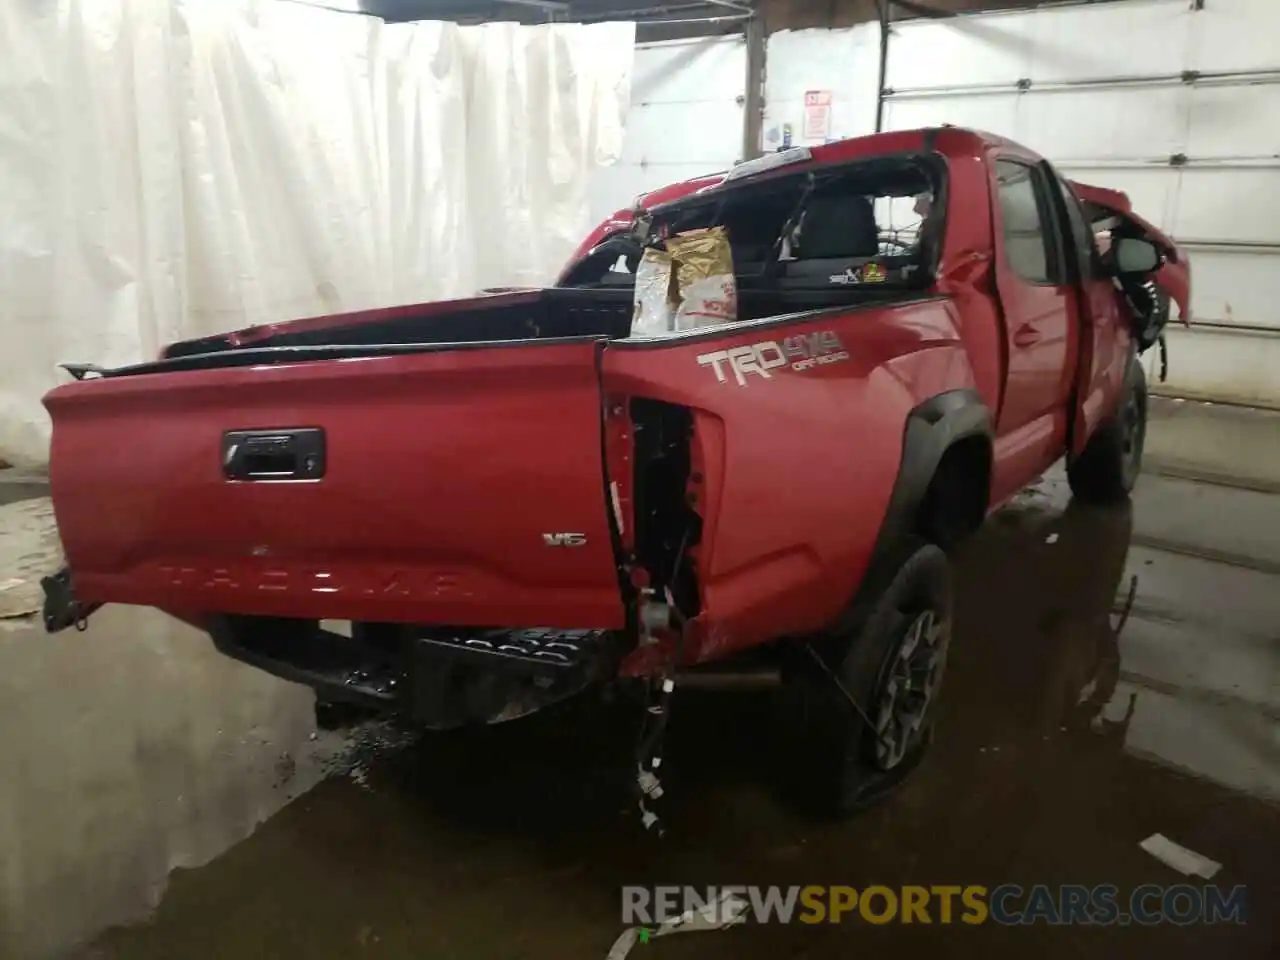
(931, 429)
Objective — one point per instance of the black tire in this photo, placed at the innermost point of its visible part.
(1108, 468)
(834, 762)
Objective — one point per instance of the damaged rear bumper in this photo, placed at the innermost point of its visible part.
(439, 678)
(435, 678)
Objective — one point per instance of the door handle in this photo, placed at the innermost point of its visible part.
(1026, 336)
(295, 454)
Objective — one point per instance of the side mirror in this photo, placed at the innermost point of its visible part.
(1131, 255)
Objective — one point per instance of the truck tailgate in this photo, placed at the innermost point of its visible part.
(462, 487)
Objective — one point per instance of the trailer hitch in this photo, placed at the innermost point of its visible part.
(61, 608)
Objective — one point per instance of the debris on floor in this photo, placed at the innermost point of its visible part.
(1179, 857)
(29, 550)
(728, 910)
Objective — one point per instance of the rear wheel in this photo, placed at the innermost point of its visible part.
(1109, 466)
(842, 755)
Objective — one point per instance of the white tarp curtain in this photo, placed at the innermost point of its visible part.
(175, 168)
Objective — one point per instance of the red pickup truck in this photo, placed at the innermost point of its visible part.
(511, 499)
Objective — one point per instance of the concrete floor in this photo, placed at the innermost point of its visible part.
(159, 801)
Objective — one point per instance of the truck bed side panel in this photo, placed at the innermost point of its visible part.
(799, 464)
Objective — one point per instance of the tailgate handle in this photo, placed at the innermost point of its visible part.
(293, 454)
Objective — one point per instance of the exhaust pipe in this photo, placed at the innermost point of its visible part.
(755, 679)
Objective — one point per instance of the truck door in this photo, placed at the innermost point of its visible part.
(1039, 303)
(1104, 335)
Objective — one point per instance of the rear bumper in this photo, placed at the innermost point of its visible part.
(433, 678)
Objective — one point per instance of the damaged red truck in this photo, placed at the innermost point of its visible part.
(511, 500)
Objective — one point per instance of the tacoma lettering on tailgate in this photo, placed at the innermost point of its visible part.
(367, 582)
(799, 352)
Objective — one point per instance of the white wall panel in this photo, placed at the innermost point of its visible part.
(1233, 35)
(1236, 120)
(966, 51)
(997, 113)
(1229, 205)
(1230, 287)
(844, 62)
(1138, 38)
(703, 133)
(1125, 123)
(1085, 111)
(713, 68)
(1088, 109)
(1153, 191)
(1212, 364)
(685, 119)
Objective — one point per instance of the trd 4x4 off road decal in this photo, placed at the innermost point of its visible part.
(799, 353)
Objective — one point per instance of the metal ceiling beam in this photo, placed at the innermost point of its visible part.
(551, 6)
(920, 10)
(338, 6)
(623, 12)
(753, 98)
(730, 5)
(700, 11)
(882, 7)
(659, 12)
(585, 11)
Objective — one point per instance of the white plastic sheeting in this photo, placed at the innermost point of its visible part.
(175, 168)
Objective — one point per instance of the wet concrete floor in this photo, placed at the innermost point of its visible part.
(158, 801)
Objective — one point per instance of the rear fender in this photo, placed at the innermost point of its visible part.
(932, 428)
(793, 458)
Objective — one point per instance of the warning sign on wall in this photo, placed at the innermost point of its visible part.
(817, 115)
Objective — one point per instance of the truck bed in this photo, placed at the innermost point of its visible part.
(553, 313)
(452, 463)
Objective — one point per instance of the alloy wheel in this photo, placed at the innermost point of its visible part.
(910, 688)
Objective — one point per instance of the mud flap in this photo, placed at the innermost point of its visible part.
(61, 608)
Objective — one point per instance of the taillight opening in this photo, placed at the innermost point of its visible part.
(668, 525)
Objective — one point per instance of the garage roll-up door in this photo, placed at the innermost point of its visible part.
(685, 119)
(1175, 102)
